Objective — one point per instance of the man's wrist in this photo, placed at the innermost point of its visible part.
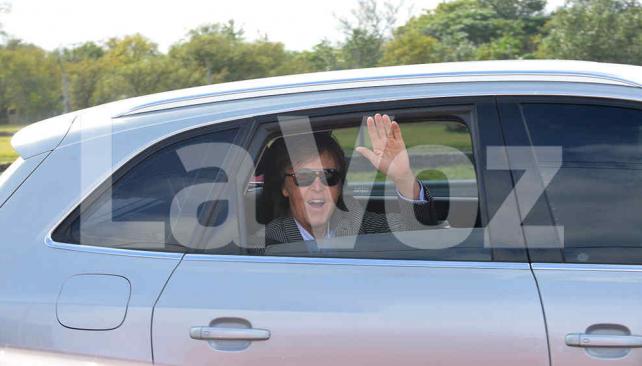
(404, 179)
(408, 186)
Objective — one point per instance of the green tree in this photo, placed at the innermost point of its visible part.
(210, 52)
(219, 53)
(596, 30)
(366, 32)
(469, 30)
(516, 9)
(325, 57)
(133, 66)
(362, 49)
(82, 68)
(29, 82)
(410, 45)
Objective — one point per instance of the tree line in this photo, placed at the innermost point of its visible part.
(36, 84)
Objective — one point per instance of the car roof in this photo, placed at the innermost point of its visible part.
(513, 70)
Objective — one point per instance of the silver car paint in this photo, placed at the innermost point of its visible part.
(577, 297)
(42, 136)
(353, 312)
(17, 172)
(32, 273)
(429, 74)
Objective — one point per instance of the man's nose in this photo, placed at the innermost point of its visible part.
(316, 184)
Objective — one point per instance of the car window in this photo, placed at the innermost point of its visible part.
(440, 151)
(434, 148)
(596, 194)
(134, 211)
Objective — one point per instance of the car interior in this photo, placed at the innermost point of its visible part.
(431, 140)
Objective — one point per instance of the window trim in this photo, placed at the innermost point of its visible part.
(267, 128)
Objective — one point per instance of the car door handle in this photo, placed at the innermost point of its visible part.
(229, 334)
(603, 340)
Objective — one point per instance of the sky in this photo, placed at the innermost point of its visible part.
(299, 24)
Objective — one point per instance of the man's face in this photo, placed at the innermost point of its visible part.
(312, 205)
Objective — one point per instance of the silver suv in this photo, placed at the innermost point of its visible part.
(129, 230)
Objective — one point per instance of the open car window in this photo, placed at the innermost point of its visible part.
(441, 156)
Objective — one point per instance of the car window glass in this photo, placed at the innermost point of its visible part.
(134, 212)
(596, 194)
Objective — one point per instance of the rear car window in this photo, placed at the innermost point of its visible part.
(133, 210)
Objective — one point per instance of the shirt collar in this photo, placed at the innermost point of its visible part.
(307, 236)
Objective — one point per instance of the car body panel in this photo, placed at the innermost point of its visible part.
(33, 273)
(478, 71)
(577, 298)
(17, 172)
(333, 311)
(41, 136)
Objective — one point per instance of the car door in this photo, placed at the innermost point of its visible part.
(590, 273)
(455, 305)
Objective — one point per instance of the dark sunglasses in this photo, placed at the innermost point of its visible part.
(305, 177)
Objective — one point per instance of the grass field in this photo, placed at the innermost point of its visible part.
(7, 154)
(423, 136)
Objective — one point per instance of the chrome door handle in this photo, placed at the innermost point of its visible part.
(229, 334)
(603, 340)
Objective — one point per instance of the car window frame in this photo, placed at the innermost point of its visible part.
(59, 231)
(251, 129)
(481, 108)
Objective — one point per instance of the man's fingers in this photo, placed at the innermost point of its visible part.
(380, 128)
(372, 131)
(368, 154)
(396, 131)
(387, 125)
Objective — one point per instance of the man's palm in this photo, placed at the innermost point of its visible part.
(388, 154)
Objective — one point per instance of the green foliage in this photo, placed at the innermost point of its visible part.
(218, 53)
(132, 66)
(323, 57)
(366, 33)
(83, 69)
(462, 30)
(411, 45)
(7, 154)
(361, 49)
(29, 82)
(35, 84)
(596, 30)
(515, 9)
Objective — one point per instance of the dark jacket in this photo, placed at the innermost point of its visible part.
(354, 221)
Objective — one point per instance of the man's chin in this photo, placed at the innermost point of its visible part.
(319, 222)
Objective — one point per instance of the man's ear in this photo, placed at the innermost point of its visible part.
(284, 191)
